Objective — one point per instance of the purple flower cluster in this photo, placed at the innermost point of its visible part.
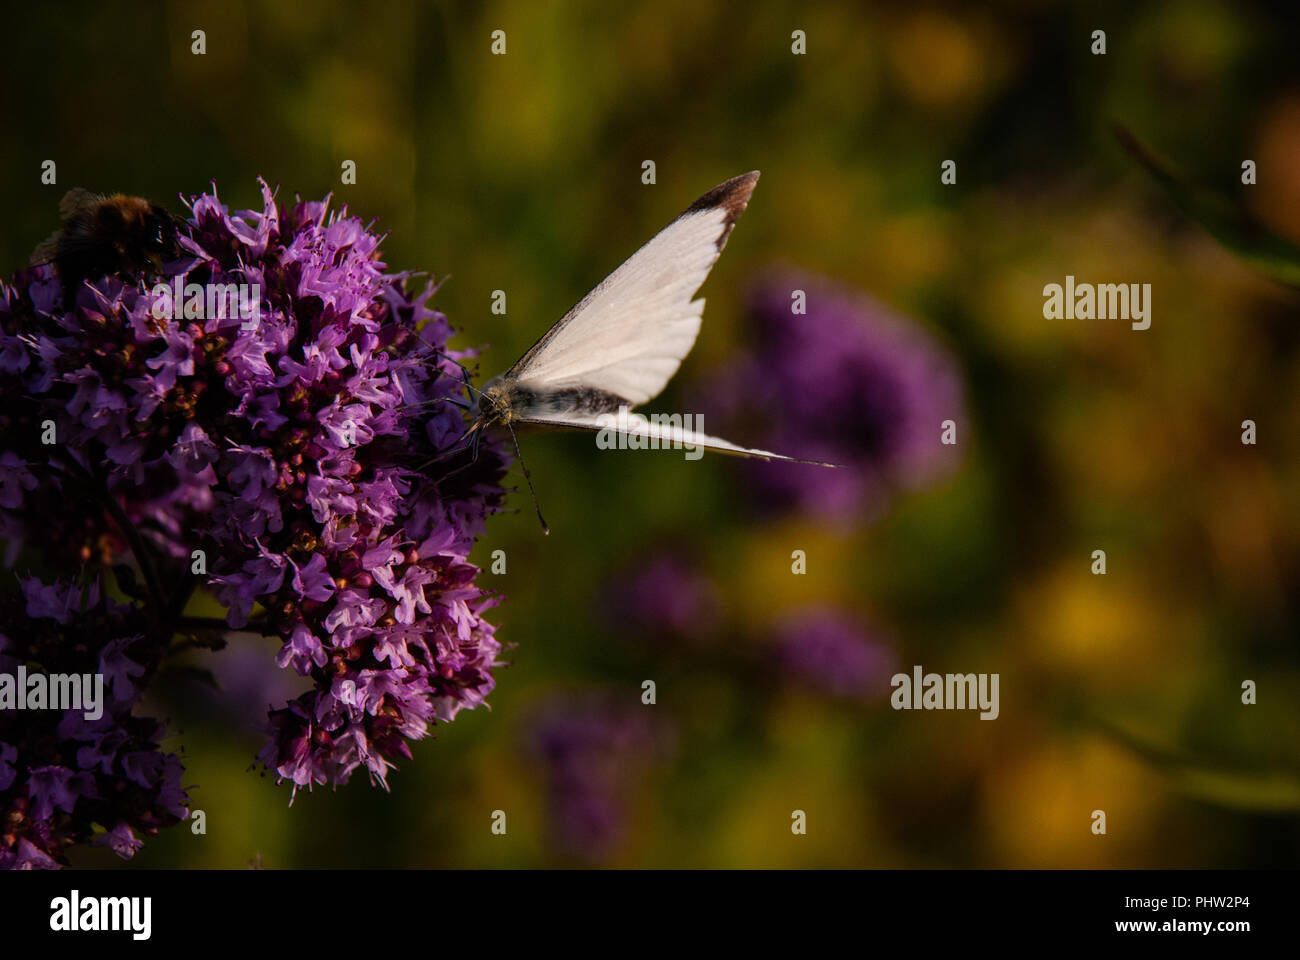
(847, 381)
(299, 458)
(594, 750)
(62, 773)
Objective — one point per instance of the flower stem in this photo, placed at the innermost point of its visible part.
(138, 548)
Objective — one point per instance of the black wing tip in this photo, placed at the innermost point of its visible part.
(731, 196)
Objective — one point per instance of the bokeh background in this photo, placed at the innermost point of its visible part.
(523, 173)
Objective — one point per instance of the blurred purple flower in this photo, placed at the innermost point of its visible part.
(664, 595)
(594, 751)
(827, 650)
(248, 683)
(849, 381)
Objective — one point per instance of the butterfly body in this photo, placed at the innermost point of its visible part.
(511, 401)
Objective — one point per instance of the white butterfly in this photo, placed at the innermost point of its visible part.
(625, 339)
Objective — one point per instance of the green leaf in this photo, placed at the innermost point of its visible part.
(1254, 790)
(1263, 792)
(1222, 218)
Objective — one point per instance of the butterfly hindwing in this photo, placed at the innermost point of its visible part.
(661, 434)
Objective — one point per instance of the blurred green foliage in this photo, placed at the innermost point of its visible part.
(522, 173)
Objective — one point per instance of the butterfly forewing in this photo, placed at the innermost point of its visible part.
(628, 336)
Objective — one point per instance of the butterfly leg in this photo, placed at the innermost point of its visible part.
(464, 376)
(473, 431)
(473, 457)
(464, 371)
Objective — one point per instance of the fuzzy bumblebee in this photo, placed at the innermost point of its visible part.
(105, 236)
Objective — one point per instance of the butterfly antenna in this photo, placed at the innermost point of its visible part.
(527, 476)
